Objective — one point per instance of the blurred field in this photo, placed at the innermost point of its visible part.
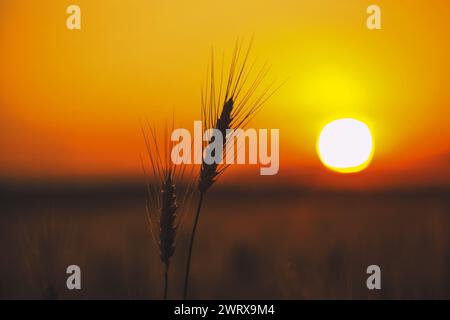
(258, 245)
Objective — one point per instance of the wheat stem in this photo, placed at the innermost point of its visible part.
(191, 244)
(166, 281)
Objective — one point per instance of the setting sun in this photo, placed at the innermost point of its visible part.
(345, 145)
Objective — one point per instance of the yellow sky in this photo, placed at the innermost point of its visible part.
(71, 101)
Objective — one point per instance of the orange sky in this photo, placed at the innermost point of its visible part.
(71, 101)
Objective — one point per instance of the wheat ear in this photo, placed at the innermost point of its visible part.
(167, 226)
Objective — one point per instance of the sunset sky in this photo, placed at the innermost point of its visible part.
(71, 101)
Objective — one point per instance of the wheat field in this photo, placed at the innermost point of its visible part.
(252, 244)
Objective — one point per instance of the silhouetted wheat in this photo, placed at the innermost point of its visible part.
(166, 203)
(229, 105)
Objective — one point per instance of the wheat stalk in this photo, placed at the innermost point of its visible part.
(229, 105)
(165, 202)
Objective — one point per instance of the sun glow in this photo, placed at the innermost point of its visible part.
(345, 145)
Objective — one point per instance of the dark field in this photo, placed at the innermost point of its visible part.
(251, 245)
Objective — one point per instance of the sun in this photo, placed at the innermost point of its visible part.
(345, 145)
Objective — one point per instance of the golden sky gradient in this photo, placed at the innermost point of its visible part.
(71, 101)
